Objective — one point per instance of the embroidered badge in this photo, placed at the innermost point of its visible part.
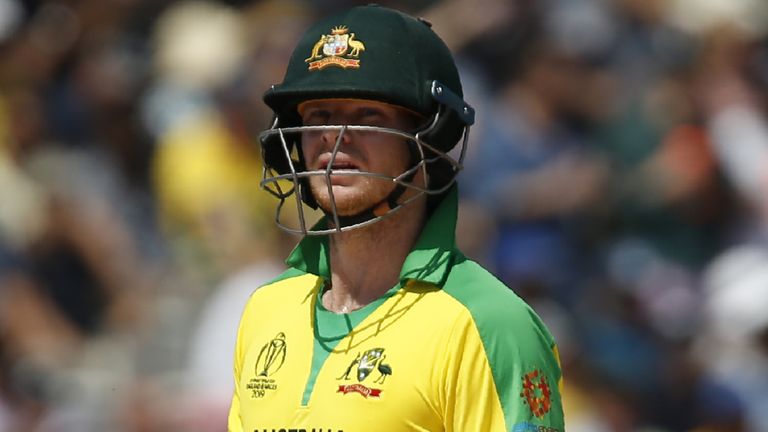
(340, 48)
(366, 362)
(270, 360)
(536, 393)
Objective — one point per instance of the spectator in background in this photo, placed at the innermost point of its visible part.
(74, 212)
(204, 109)
(733, 342)
(536, 171)
(202, 112)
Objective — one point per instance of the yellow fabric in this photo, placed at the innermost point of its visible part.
(433, 374)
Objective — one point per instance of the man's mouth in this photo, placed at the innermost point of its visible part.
(338, 165)
(343, 167)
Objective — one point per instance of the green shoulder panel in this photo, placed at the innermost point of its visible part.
(520, 349)
(267, 286)
(289, 273)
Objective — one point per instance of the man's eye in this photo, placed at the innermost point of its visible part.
(316, 117)
(370, 117)
(369, 112)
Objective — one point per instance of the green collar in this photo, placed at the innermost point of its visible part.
(429, 261)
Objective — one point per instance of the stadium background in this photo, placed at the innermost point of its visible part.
(617, 178)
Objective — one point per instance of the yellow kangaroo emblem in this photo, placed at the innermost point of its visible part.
(317, 47)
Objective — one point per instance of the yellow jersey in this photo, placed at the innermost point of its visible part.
(450, 348)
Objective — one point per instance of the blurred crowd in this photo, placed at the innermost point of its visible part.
(617, 179)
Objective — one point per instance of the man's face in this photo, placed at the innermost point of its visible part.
(359, 151)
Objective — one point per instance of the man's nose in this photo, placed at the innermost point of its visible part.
(331, 136)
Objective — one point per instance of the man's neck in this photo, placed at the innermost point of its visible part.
(366, 263)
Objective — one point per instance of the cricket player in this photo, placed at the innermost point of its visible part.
(380, 323)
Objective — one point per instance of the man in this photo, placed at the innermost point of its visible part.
(381, 323)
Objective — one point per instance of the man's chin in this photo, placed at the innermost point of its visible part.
(350, 200)
(343, 210)
(347, 204)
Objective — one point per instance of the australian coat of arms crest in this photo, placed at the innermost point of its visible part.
(340, 48)
(366, 362)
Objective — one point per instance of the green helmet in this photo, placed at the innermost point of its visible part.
(374, 53)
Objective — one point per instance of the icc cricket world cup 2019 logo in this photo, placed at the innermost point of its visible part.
(272, 356)
(270, 360)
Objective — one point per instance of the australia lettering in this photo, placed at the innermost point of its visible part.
(298, 430)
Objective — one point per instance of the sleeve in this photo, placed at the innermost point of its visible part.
(503, 376)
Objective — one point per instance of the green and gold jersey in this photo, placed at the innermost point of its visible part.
(450, 348)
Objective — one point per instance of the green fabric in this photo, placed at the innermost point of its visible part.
(401, 56)
(287, 274)
(311, 254)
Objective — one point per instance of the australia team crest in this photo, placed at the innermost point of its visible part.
(340, 48)
(372, 360)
